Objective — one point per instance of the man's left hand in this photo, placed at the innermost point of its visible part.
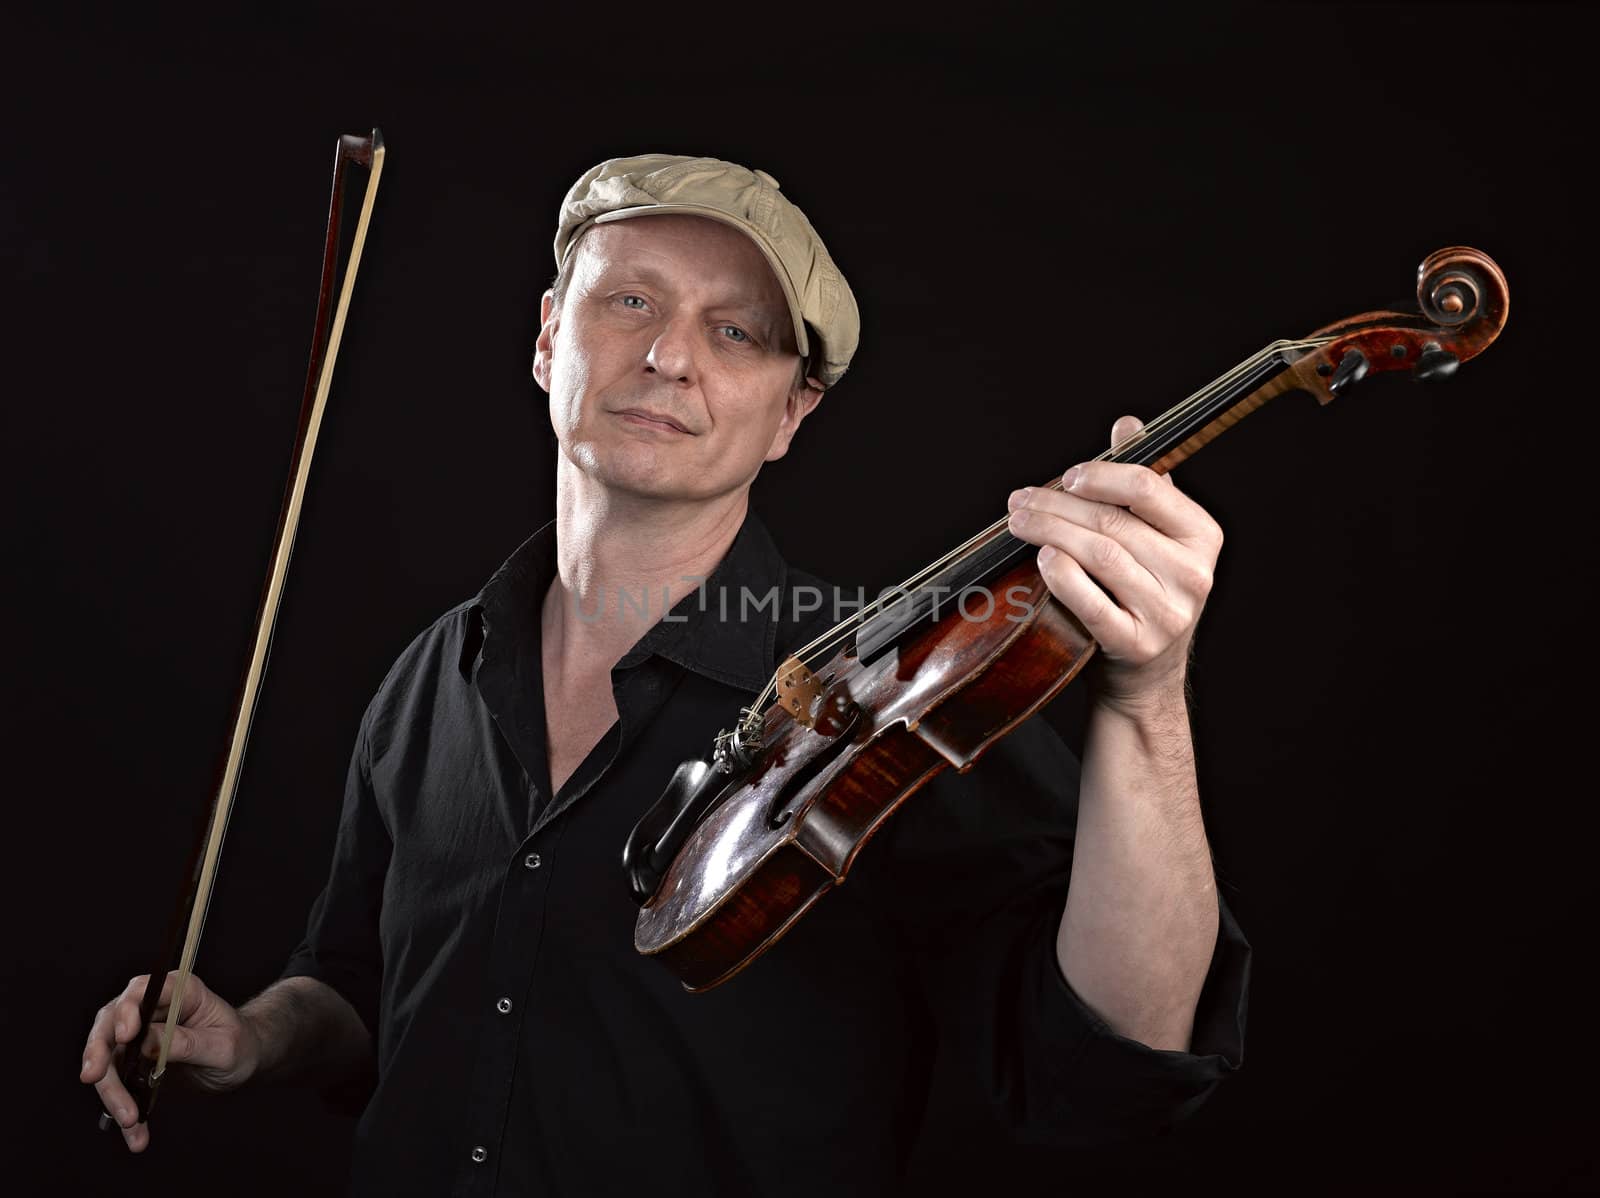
(1132, 557)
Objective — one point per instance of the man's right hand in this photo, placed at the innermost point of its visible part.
(217, 1049)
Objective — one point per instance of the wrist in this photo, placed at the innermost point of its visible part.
(255, 1043)
(1145, 699)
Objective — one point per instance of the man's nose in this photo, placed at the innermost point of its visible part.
(672, 352)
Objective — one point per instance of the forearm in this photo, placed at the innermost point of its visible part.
(306, 1032)
(1140, 923)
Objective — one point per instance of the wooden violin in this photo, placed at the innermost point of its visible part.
(739, 846)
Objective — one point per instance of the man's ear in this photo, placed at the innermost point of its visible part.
(803, 398)
(544, 345)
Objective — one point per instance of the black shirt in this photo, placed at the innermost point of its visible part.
(483, 929)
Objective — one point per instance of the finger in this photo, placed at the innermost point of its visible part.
(1142, 491)
(1123, 430)
(195, 995)
(115, 1024)
(131, 1002)
(1112, 627)
(1111, 565)
(136, 986)
(116, 1100)
(97, 1050)
(137, 1137)
(193, 992)
(193, 1006)
(126, 1006)
(1173, 564)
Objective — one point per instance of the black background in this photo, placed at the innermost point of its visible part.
(1045, 228)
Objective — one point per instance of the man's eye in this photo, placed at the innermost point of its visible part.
(736, 334)
(633, 301)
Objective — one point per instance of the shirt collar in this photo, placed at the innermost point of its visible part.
(727, 629)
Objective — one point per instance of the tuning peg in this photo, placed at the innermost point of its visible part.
(1435, 365)
(1352, 369)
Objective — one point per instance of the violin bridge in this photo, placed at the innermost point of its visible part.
(798, 689)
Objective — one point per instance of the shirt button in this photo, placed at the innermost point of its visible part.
(532, 861)
(503, 1006)
(479, 1155)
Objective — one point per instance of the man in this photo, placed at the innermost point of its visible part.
(474, 940)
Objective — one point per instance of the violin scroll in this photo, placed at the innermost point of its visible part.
(1460, 284)
(1464, 301)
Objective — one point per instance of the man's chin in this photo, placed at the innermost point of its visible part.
(625, 474)
(645, 473)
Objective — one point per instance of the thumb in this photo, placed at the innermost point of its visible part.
(204, 1047)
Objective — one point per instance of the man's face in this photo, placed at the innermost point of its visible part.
(671, 362)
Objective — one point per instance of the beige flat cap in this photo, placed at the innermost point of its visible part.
(827, 323)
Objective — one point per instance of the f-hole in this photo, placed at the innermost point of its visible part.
(780, 811)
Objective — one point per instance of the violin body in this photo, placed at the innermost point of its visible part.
(791, 830)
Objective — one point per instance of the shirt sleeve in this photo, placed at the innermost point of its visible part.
(341, 946)
(974, 874)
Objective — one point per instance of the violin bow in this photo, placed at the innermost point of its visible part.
(139, 1073)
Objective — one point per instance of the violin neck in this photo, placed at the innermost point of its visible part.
(1161, 444)
(1181, 430)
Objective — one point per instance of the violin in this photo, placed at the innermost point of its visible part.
(740, 845)
(141, 1074)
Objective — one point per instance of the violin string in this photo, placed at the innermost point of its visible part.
(1176, 415)
(986, 536)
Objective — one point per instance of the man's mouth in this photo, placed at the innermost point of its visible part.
(647, 417)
